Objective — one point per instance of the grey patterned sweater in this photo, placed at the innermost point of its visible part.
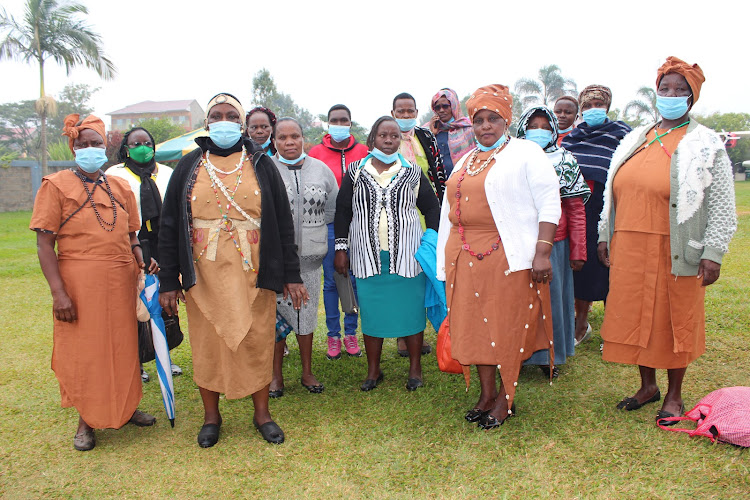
(312, 191)
(702, 213)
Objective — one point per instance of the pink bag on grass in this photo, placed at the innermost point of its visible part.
(723, 414)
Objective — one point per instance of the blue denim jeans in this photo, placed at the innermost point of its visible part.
(331, 295)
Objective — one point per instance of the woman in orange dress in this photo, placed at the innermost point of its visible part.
(227, 239)
(671, 186)
(494, 244)
(93, 219)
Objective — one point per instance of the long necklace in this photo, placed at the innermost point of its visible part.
(107, 226)
(226, 222)
(464, 171)
(659, 136)
(469, 168)
(236, 167)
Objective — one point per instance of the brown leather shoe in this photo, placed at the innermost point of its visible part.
(84, 440)
(142, 419)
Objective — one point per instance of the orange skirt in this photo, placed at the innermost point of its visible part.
(652, 318)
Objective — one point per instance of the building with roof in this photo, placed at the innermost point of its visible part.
(186, 113)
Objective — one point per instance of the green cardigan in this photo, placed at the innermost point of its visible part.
(702, 214)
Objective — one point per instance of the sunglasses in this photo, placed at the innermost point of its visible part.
(441, 107)
(145, 143)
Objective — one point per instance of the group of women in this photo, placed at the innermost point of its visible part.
(521, 227)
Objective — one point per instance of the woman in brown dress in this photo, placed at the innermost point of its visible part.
(671, 186)
(494, 245)
(227, 239)
(93, 219)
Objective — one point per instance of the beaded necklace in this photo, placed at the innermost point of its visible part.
(659, 136)
(107, 226)
(226, 223)
(464, 171)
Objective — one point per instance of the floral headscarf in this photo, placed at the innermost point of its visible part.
(460, 131)
(572, 182)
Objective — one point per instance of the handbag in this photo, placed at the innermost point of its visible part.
(446, 363)
(346, 292)
(723, 415)
(146, 342)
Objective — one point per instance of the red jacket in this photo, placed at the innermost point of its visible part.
(338, 159)
(573, 225)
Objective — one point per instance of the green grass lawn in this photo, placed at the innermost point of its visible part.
(567, 441)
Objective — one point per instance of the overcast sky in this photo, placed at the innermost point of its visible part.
(362, 53)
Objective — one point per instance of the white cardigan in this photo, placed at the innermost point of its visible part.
(522, 190)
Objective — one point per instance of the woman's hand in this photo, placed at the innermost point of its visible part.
(169, 301)
(709, 271)
(603, 253)
(541, 268)
(298, 294)
(576, 265)
(63, 307)
(153, 268)
(341, 262)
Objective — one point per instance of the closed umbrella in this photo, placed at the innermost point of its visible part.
(150, 297)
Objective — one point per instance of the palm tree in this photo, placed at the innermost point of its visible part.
(51, 30)
(550, 86)
(645, 105)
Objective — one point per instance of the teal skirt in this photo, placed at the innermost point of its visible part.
(391, 305)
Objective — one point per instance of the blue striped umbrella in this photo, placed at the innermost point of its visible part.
(150, 297)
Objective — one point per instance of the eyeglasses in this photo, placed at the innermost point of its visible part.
(148, 144)
(441, 107)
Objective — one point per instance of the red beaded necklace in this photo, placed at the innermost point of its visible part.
(465, 244)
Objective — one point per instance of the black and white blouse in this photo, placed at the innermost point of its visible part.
(358, 209)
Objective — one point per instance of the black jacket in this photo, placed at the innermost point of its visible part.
(436, 171)
(279, 263)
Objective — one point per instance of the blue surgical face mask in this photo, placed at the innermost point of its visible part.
(672, 108)
(565, 130)
(265, 144)
(406, 124)
(91, 159)
(497, 144)
(594, 116)
(225, 134)
(387, 159)
(539, 135)
(294, 161)
(339, 133)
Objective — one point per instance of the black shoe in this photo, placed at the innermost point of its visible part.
(631, 404)
(270, 431)
(426, 349)
(475, 414)
(370, 384)
(413, 384)
(488, 422)
(665, 414)
(208, 435)
(545, 370)
(277, 393)
(315, 389)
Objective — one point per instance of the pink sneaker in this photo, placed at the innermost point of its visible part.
(334, 348)
(352, 347)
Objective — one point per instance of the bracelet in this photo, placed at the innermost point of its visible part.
(547, 242)
(132, 247)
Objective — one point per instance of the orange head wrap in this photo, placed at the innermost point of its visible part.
(72, 127)
(693, 74)
(495, 98)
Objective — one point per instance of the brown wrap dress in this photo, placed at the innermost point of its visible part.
(652, 318)
(231, 322)
(95, 358)
(496, 318)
